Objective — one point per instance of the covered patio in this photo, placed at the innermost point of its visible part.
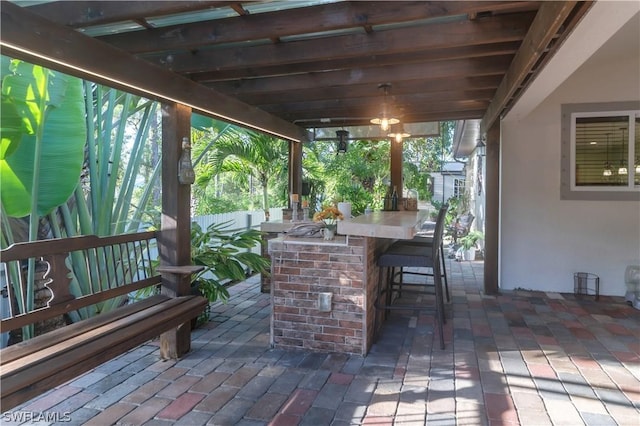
(300, 70)
(522, 357)
(512, 357)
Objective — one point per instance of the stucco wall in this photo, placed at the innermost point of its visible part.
(544, 240)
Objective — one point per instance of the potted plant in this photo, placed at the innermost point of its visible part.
(329, 216)
(469, 244)
(226, 257)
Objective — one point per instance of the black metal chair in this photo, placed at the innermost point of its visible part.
(460, 227)
(421, 256)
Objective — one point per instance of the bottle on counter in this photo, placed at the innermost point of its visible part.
(186, 175)
(387, 201)
(394, 199)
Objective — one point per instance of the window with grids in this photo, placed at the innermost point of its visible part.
(458, 187)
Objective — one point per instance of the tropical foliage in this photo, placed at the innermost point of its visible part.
(79, 158)
(471, 239)
(41, 152)
(85, 150)
(43, 136)
(357, 176)
(425, 155)
(361, 175)
(225, 257)
(251, 159)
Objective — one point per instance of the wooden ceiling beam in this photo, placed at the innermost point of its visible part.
(493, 49)
(543, 29)
(407, 101)
(393, 41)
(373, 110)
(69, 51)
(420, 117)
(364, 90)
(460, 68)
(409, 118)
(78, 14)
(291, 22)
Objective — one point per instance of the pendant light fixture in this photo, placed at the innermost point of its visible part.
(398, 133)
(343, 136)
(623, 168)
(607, 167)
(385, 119)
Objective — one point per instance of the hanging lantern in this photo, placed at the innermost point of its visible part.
(343, 139)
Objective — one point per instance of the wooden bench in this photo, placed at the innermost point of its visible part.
(112, 269)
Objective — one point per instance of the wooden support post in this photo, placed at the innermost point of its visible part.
(395, 152)
(295, 168)
(174, 242)
(492, 209)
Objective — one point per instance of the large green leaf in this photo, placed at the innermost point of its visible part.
(202, 122)
(51, 147)
(11, 127)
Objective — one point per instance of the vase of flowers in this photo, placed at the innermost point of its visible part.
(329, 216)
(329, 232)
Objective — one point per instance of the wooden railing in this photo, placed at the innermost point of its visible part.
(89, 280)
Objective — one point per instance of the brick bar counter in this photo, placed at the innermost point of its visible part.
(323, 292)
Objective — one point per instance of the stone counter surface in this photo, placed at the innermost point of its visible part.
(276, 226)
(383, 224)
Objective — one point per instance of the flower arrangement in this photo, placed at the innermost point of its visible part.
(328, 215)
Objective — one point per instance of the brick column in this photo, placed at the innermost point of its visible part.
(301, 270)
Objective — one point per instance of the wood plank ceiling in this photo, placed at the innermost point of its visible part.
(320, 64)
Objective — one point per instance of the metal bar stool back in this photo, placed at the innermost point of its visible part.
(402, 256)
(425, 239)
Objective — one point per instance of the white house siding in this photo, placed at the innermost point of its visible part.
(544, 240)
(475, 178)
(444, 181)
(438, 187)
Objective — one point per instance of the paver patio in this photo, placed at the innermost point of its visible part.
(521, 357)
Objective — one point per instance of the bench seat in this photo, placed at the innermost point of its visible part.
(31, 367)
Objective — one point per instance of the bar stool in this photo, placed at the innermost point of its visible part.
(427, 241)
(401, 256)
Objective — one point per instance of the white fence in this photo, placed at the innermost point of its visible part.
(239, 220)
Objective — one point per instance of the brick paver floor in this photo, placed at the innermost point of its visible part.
(521, 357)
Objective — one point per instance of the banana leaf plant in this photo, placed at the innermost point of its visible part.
(70, 156)
(112, 197)
(81, 158)
(41, 151)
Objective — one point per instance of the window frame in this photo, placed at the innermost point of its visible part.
(568, 188)
(459, 187)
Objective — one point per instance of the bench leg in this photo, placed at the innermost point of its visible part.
(177, 342)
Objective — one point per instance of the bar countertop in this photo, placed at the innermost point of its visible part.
(277, 226)
(385, 224)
